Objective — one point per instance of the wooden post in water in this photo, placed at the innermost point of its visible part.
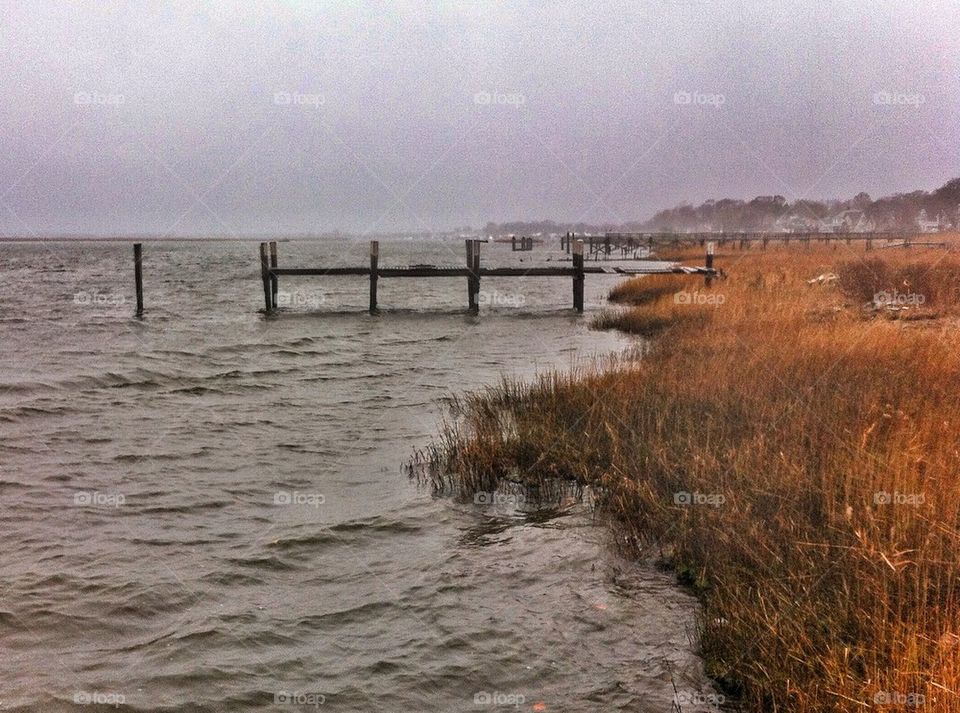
(468, 245)
(708, 280)
(374, 265)
(476, 275)
(513, 244)
(265, 276)
(274, 280)
(578, 276)
(138, 275)
(473, 279)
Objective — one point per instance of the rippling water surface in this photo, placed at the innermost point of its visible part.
(204, 510)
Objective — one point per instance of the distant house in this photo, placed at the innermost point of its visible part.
(795, 224)
(848, 221)
(931, 226)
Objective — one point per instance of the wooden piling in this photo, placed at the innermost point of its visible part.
(274, 280)
(578, 276)
(138, 275)
(708, 280)
(374, 274)
(265, 277)
(468, 246)
(473, 277)
(476, 275)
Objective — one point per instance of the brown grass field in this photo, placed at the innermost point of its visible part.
(790, 452)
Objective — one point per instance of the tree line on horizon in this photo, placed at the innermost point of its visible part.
(927, 210)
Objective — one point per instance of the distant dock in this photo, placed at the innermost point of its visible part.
(607, 243)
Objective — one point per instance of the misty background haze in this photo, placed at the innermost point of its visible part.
(311, 117)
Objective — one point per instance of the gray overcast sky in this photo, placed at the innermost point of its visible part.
(238, 118)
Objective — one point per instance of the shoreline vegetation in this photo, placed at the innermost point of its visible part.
(789, 443)
(939, 208)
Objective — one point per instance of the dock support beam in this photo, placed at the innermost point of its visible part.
(274, 280)
(578, 276)
(138, 275)
(473, 281)
(265, 277)
(374, 264)
(708, 280)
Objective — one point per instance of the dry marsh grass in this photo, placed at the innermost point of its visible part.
(793, 456)
(642, 290)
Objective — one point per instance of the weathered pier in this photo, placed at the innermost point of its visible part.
(579, 248)
(271, 272)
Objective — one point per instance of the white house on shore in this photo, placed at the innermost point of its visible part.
(851, 220)
(931, 226)
(795, 224)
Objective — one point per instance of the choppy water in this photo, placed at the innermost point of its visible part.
(205, 511)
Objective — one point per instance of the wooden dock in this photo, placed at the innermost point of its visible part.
(271, 272)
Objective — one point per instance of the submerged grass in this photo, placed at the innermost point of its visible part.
(794, 456)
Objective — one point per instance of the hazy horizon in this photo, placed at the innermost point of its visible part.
(392, 117)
